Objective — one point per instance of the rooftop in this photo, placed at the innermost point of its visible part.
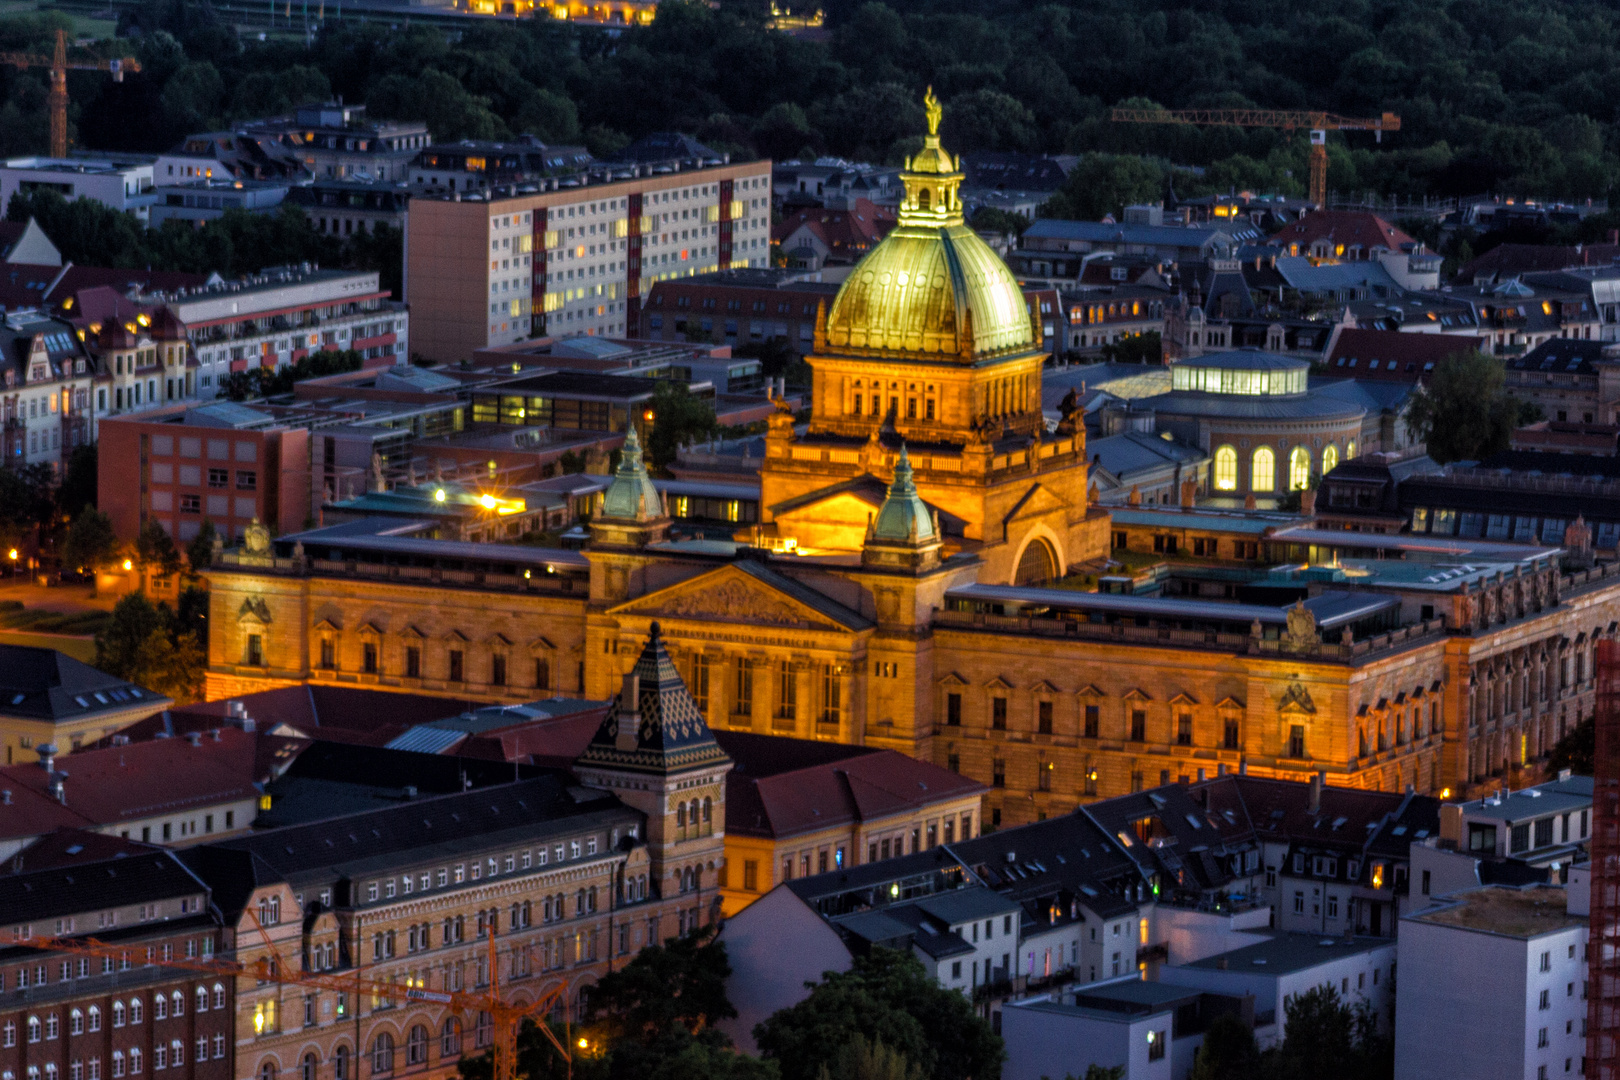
(43, 684)
(1501, 909)
(1284, 954)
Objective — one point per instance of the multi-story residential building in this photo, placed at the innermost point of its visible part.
(84, 1017)
(812, 807)
(338, 141)
(344, 207)
(47, 698)
(1514, 958)
(119, 183)
(144, 355)
(223, 463)
(739, 307)
(48, 402)
(574, 260)
(470, 166)
(1538, 834)
(196, 202)
(229, 155)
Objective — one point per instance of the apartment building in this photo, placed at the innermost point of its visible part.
(47, 698)
(224, 463)
(121, 183)
(513, 263)
(338, 141)
(77, 1017)
(749, 305)
(46, 397)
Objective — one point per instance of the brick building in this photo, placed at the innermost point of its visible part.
(745, 306)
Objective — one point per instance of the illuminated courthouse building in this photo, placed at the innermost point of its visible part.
(898, 593)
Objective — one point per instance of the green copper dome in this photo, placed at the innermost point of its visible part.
(903, 518)
(631, 495)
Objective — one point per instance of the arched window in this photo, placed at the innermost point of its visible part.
(160, 1007)
(95, 1018)
(450, 1038)
(118, 1014)
(219, 995)
(382, 1054)
(1349, 449)
(1225, 469)
(177, 1004)
(177, 1052)
(708, 810)
(202, 999)
(1263, 474)
(416, 1046)
(1330, 458)
(680, 816)
(308, 1070)
(267, 1071)
(1299, 469)
(76, 1022)
(340, 1063)
(135, 1062)
(484, 1032)
(33, 1029)
(1037, 565)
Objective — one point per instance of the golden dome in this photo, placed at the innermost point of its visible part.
(932, 285)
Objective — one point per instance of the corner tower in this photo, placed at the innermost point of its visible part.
(655, 752)
(930, 341)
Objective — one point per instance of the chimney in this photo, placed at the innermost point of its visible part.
(47, 756)
(194, 738)
(215, 733)
(629, 726)
(5, 797)
(1307, 502)
(1316, 791)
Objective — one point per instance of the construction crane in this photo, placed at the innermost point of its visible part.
(506, 1017)
(59, 66)
(1317, 123)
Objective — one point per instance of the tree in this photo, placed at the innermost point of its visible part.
(142, 644)
(155, 550)
(1229, 1051)
(988, 120)
(200, 552)
(885, 997)
(1577, 750)
(91, 542)
(862, 1060)
(679, 419)
(1327, 1040)
(78, 488)
(1105, 184)
(1145, 348)
(27, 503)
(1465, 412)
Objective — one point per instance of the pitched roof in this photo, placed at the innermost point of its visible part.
(1511, 260)
(1561, 356)
(68, 847)
(671, 735)
(106, 883)
(1352, 228)
(842, 232)
(44, 684)
(781, 787)
(1394, 355)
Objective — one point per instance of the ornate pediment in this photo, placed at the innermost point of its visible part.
(1038, 500)
(731, 595)
(1296, 699)
(254, 610)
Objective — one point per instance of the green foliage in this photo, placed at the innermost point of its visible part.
(78, 488)
(1099, 1072)
(1328, 1040)
(989, 219)
(1465, 412)
(91, 542)
(885, 997)
(144, 643)
(265, 382)
(200, 552)
(155, 550)
(1577, 750)
(1105, 184)
(1145, 348)
(1229, 1051)
(862, 1060)
(679, 419)
(27, 501)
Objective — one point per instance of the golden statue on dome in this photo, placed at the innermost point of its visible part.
(934, 109)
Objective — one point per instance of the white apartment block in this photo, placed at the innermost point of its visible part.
(123, 183)
(1492, 986)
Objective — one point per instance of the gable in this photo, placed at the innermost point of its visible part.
(731, 594)
(1037, 501)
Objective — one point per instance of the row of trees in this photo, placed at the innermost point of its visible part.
(1515, 95)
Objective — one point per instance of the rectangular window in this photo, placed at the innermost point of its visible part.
(998, 773)
(998, 713)
(542, 673)
(787, 691)
(953, 710)
(743, 701)
(497, 670)
(368, 658)
(1043, 723)
(751, 875)
(1093, 720)
(1296, 741)
(1229, 739)
(1184, 730)
(1138, 725)
(413, 662)
(456, 672)
(700, 682)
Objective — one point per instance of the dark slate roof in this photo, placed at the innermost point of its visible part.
(1060, 859)
(377, 840)
(664, 146)
(671, 736)
(1011, 170)
(1560, 356)
(43, 684)
(1191, 850)
(115, 882)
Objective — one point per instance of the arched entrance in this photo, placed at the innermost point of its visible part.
(1037, 565)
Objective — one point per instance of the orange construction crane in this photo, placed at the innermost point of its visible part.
(59, 96)
(507, 1017)
(1317, 123)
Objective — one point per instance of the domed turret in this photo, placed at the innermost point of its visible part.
(631, 495)
(932, 286)
(905, 532)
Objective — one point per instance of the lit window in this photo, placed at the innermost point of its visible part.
(1263, 476)
(1226, 469)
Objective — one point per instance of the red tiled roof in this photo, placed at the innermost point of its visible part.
(835, 785)
(76, 279)
(107, 785)
(1394, 356)
(844, 232)
(1352, 228)
(74, 847)
(1510, 260)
